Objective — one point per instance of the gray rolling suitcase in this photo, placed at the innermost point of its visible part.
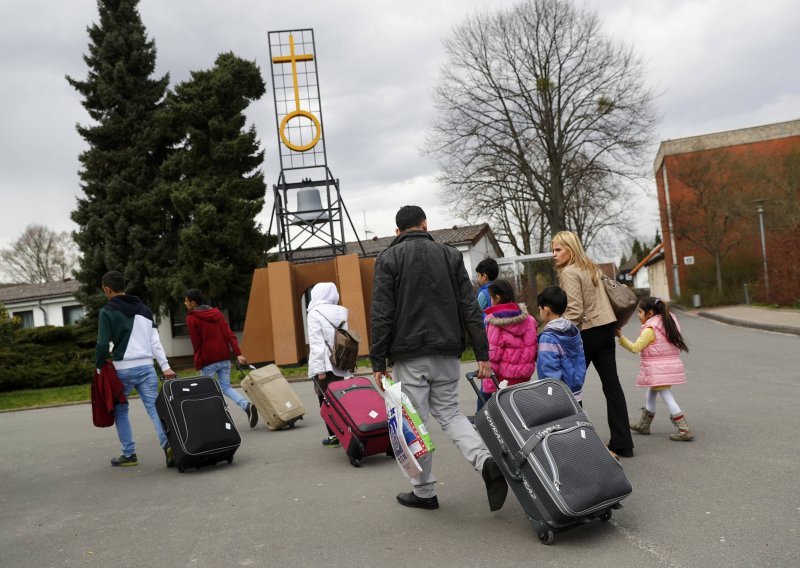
(551, 456)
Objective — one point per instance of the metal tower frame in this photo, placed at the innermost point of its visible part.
(302, 149)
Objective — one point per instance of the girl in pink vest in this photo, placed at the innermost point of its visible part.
(660, 343)
(512, 338)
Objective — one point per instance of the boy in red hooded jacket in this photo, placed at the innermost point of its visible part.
(213, 341)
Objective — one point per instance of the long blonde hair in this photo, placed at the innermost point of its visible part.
(577, 255)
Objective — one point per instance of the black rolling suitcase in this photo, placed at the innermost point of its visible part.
(195, 418)
(551, 456)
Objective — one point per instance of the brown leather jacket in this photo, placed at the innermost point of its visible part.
(588, 305)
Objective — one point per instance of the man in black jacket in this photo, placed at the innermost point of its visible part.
(422, 301)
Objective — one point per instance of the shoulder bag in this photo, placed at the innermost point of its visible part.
(623, 300)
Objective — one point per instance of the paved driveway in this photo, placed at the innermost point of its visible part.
(730, 498)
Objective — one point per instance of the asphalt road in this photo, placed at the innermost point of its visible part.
(730, 498)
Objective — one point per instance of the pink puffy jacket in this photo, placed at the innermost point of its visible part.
(512, 344)
(661, 363)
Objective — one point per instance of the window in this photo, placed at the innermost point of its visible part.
(26, 317)
(178, 318)
(72, 314)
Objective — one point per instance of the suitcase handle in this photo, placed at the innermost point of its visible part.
(322, 391)
(241, 371)
(472, 377)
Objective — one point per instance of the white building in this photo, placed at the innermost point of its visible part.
(52, 303)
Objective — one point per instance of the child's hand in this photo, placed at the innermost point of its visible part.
(618, 332)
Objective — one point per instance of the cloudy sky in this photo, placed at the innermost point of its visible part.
(717, 64)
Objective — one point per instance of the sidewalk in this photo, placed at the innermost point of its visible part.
(768, 319)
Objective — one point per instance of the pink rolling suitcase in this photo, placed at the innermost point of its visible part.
(355, 412)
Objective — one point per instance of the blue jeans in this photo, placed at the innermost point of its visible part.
(145, 381)
(223, 371)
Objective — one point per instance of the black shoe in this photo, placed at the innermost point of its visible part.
(411, 500)
(496, 486)
(624, 452)
(252, 414)
(125, 461)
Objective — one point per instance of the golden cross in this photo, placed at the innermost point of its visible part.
(293, 59)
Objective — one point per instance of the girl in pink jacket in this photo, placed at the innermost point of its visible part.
(512, 337)
(660, 343)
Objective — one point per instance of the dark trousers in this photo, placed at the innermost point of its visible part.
(600, 349)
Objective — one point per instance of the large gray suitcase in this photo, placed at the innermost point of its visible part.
(551, 456)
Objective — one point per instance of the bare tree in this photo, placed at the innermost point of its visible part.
(39, 255)
(777, 183)
(537, 102)
(490, 194)
(710, 214)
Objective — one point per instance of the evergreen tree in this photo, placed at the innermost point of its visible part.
(637, 250)
(119, 222)
(214, 183)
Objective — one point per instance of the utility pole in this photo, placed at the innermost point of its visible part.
(760, 209)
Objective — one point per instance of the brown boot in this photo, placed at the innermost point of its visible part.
(643, 427)
(684, 432)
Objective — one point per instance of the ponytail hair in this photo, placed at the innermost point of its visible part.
(661, 308)
(503, 289)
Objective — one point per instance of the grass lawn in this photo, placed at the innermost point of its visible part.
(38, 398)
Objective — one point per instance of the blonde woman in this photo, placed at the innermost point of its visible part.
(589, 308)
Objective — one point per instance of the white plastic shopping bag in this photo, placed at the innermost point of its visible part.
(407, 432)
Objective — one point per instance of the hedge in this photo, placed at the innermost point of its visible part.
(47, 356)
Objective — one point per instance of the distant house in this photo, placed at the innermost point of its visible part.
(624, 274)
(52, 303)
(645, 275)
(657, 271)
(475, 242)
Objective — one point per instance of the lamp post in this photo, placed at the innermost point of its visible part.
(760, 210)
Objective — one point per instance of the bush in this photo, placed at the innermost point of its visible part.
(47, 356)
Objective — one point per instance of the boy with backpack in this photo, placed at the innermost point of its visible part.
(560, 350)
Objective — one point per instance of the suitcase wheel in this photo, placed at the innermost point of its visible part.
(355, 462)
(181, 468)
(230, 459)
(291, 424)
(546, 537)
(606, 516)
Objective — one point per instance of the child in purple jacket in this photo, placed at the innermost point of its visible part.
(512, 338)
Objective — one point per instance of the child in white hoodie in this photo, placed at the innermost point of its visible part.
(324, 316)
